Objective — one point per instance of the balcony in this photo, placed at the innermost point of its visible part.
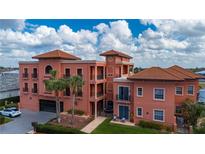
(100, 94)
(100, 77)
(34, 91)
(79, 94)
(25, 75)
(34, 75)
(25, 89)
(123, 98)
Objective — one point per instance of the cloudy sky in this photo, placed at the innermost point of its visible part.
(150, 42)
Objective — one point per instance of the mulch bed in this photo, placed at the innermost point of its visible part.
(79, 121)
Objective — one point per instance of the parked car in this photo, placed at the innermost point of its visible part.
(10, 112)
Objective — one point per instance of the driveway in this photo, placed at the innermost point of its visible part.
(22, 124)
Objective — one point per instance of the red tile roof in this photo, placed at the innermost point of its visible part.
(115, 53)
(56, 54)
(174, 73)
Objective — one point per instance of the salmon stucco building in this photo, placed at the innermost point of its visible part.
(152, 94)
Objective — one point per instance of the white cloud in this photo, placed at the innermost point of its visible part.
(179, 42)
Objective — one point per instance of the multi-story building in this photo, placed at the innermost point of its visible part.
(152, 94)
(96, 92)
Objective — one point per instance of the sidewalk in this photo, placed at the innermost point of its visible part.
(93, 124)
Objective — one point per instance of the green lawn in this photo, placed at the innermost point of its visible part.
(109, 128)
(6, 120)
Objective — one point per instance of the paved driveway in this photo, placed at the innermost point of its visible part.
(22, 124)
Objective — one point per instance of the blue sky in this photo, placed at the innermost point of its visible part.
(150, 42)
(77, 24)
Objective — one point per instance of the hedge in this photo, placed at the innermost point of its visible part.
(2, 119)
(154, 125)
(11, 99)
(54, 129)
(199, 130)
(77, 112)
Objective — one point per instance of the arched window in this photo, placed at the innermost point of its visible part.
(48, 69)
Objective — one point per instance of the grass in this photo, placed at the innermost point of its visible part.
(109, 128)
(6, 120)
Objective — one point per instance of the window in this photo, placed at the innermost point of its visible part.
(179, 91)
(123, 93)
(139, 92)
(35, 88)
(67, 92)
(48, 69)
(25, 89)
(67, 72)
(190, 90)
(34, 75)
(158, 115)
(79, 72)
(139, 112)
(159, 93)
(25, 73)
(79, 92)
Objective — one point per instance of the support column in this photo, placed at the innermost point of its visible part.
(96, 113)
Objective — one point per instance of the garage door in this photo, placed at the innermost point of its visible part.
(49, 106)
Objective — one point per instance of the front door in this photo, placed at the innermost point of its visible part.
(123, 112)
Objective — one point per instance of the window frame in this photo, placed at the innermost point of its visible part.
(137, 115)
(45, 69)
(119, 92)
(182, 91)
(164, 94)
(138, 91)
(157, 119)
(188, 90)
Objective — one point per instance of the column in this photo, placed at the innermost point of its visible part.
(96, 112)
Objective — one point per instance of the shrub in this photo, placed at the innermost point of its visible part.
(199, 130)
(11, 105)
(154, 125)
(54, 129)
(11, 99)
(2, 119)
(77, 112)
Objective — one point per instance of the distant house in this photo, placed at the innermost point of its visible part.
(9, 84)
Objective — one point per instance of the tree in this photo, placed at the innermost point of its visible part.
(75, 83)
(56, 85)
(191, 112)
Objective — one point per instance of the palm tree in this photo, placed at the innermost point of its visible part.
(56, 85)
(75, 83)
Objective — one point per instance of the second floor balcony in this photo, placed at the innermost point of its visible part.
(126, 98)
(34, 91)
(34, 75)
(25, 89)
(25, 75)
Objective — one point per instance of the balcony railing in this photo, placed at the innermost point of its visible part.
(79, 94)
(99, 94)
(34, 75)
(100, 77)
(25, 89)
(25, 75)
(34, 91)
(67, 93)
(123, 98)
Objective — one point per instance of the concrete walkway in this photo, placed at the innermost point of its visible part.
(93, 124)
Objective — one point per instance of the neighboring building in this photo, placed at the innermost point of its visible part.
(156, 93)
(95, 94)
(152, 94)
(9, 84)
